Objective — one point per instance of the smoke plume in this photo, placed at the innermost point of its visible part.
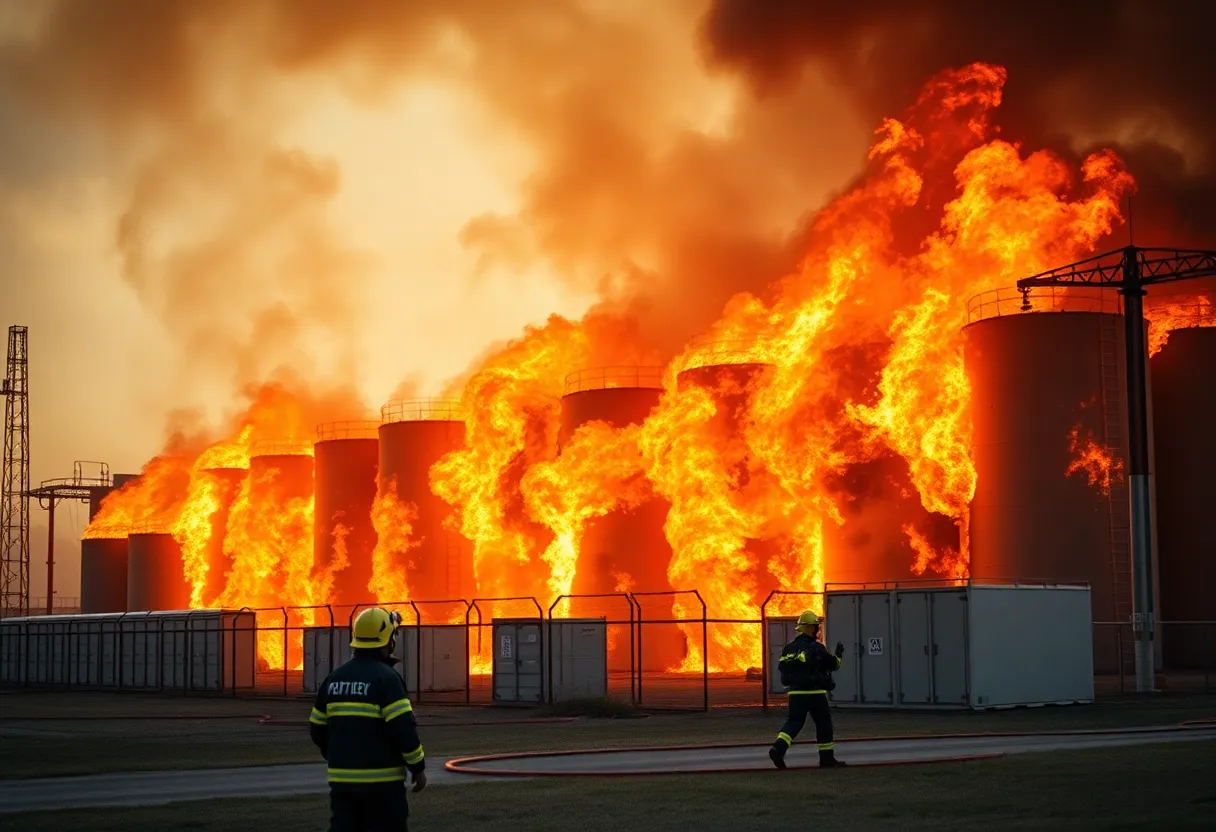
(1129, 74)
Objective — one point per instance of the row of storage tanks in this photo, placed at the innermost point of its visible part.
(1035, 378)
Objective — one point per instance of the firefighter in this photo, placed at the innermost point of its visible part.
(806, 669)
(364, 725)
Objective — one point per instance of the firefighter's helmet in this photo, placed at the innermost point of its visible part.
(374, 628)
(807, 622)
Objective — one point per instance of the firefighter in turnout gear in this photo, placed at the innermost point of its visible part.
(364, 725)
(806, 669)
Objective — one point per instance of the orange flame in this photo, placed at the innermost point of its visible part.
(155, 498)
(393, 521)
(1178, 312)
(855, 357)
(1100, 467)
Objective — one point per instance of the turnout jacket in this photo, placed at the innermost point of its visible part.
(363, 723)
(806, 666)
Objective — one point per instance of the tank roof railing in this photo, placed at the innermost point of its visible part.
(703, 351)
(153, 525)
(364, 429)
(422, 410)
(930, 583)
(281, 447)
(998, 303)
(608, 378)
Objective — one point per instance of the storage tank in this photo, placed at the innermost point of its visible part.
(155, 580)
(1042, 382)
(347, 458)
(626, 549)
(1184, 410)
(103, 575)
(281, 470)
(413, 436)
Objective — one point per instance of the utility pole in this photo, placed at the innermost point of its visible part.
(1129, 271)
(14, 488)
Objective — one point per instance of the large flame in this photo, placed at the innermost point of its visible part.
(762, 430)
(393, 521)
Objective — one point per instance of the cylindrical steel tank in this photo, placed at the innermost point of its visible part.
(228, 482)
(155, 580)
(347, 458)
(413, 436)
(1184, 411)
(627, 548)
(103, 575)
(1041, 383)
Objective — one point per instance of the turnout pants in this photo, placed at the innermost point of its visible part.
(375, 807)
(802, 705)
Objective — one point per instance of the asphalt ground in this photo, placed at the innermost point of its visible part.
(159, 788)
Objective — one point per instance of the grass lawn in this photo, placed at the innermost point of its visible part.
(1147, 787)
(83, 733)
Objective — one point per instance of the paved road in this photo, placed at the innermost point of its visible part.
(803, 754)
(151, 788)
(159, 787)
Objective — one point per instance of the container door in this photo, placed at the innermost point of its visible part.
(580, 661)
(443, 662)
(875, 664)
(780, 632)
(951, 670)
(517, 662)
(913, 647)
(841, 624)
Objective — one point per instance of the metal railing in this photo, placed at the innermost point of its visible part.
(348, 430)
(422, 410)
(608, 378)
(152, 525)
(281, 447)
(997, 303)
(708, 352)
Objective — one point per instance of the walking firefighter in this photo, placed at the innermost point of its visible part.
(806, 669)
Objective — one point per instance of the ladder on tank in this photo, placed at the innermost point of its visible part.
(1114, 418)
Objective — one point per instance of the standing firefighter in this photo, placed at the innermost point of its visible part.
(806, 669)
(364, 725)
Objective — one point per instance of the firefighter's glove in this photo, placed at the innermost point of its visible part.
(419, 781)
(839, 649)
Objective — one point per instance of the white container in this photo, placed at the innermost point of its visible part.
(212, 650)
(974, 646)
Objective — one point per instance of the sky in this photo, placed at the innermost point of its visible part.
(195, 197)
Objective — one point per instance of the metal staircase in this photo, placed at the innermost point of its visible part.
(1114, 418)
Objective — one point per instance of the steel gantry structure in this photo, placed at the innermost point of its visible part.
(14, 500)
(51, 492)
(1129, 271)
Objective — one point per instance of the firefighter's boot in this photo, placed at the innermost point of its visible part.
(777, 754)
(827, 759)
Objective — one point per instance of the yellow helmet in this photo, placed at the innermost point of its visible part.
(807, 622)
(374, 628)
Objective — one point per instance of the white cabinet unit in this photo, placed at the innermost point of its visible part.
(972, 646)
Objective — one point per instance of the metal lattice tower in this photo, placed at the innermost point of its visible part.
(14, 499)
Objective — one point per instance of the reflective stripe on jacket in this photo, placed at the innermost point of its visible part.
(363, 723)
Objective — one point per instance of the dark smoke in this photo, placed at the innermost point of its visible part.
(1135, 75)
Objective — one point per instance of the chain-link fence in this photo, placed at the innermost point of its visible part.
(654, 650)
